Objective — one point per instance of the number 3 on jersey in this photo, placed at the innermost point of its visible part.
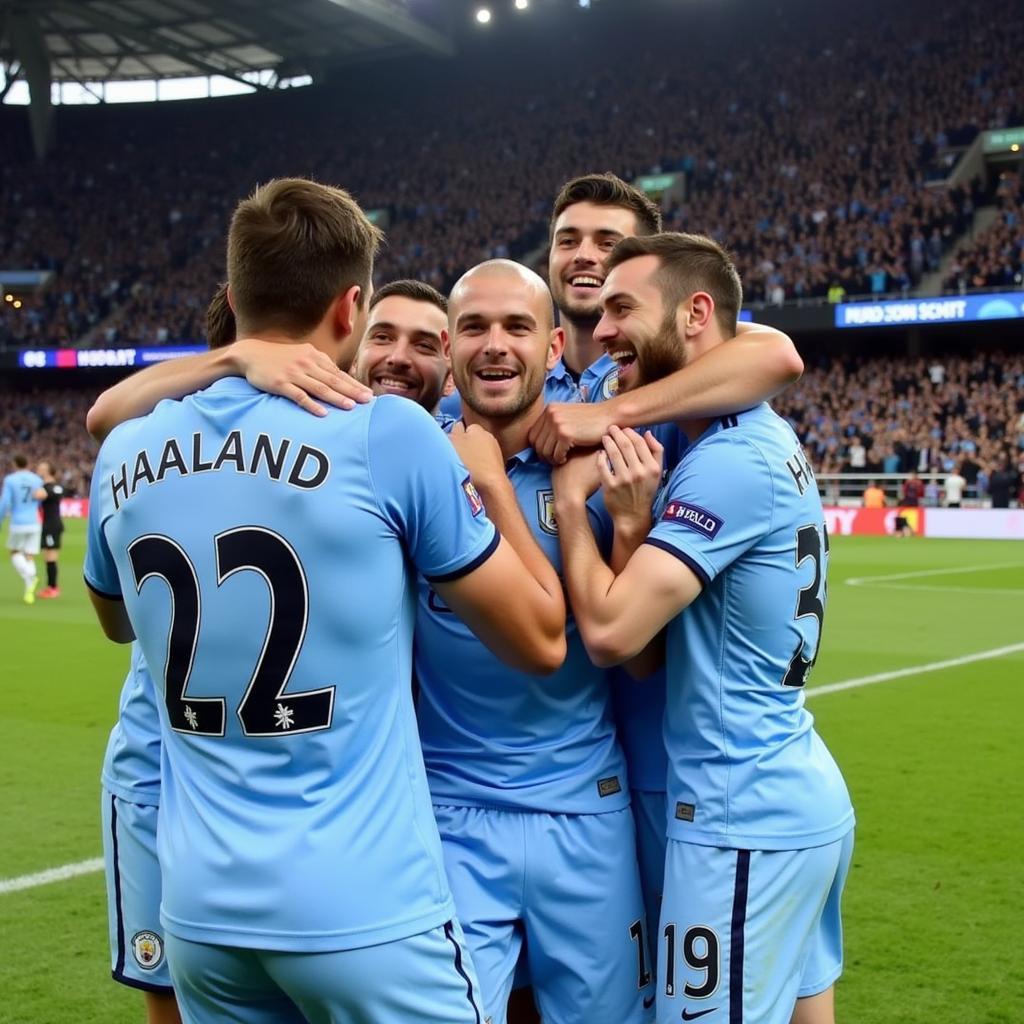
(265, 710)
(810, 600)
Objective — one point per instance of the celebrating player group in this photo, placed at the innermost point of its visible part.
(443, 706)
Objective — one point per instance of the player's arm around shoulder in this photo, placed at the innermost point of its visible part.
(519, 580)
(300, 373)
(513, 604)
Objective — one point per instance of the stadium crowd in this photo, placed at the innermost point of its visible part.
(887, 415)
(814, 185)
(995, 258)
(50, 424)
(854, 415)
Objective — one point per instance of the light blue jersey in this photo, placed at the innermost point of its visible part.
(600, 380)
(131, 765)
(747, 770)
(497, 737)
(16, 498)
(268, 562)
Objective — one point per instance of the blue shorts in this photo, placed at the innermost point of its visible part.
(651, 815)
(568, 885)
(744, 934)
(137, 954)
(427, 978)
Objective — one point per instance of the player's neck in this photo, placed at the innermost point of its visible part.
(321, 338)
(694, 428)
(580, 348)
(511, 434)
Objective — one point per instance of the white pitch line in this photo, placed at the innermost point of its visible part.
(860, 581)
(915, 670)
(65, 871)
(925, 589)
(88, 867)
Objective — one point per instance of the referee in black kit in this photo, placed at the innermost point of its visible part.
(50, 495)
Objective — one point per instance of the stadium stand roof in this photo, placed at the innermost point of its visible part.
(83, 41)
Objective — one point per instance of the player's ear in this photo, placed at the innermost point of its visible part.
(556, 346)
(695, 313)
(230, 296)
(346, 310)
(446, 347)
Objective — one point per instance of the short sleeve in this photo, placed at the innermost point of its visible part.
(425, 492)
(718, 504)
(100, 570)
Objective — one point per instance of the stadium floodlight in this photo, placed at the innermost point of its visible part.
(521, 5)
(16, 303)
(8, 297)
(483, 15)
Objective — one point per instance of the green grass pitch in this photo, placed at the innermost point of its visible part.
(933, 761)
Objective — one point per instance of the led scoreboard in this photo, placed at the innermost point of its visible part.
(949, 309)
(87, 358)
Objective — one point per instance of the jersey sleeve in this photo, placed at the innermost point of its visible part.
(719, 503)
(5, 499)
(425, 492)
(100, 571)
(601, 524)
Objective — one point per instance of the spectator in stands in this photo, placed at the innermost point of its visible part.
(1004, 483)
(874, 496)
(913, 491)
(804, 219)
(954, 489)
(857, 455)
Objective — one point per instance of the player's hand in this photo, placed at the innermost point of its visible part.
(480, 454)
(301, 373)
(578, 477)
(630, 476)
(565, 426)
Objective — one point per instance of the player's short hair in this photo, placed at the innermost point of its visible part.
(50, 467)
(21, 461)
(220, 319)
(608, 190)
(293, 247)
(689, 263)
(418, 291)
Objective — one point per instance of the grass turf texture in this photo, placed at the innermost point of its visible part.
(932, 761)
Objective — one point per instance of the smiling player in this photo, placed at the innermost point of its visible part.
(405, 349)
(760, 834)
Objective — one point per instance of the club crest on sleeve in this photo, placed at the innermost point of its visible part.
(610, 385)
(692, 516)
(476, 504)
(546, 512)
(148, 950)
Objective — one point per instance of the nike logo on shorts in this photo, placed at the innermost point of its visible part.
(686, 1015)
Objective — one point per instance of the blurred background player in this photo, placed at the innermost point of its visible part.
(20, 499)
(526, 774)
(244, 936)
(761, 829)
(50, 495)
